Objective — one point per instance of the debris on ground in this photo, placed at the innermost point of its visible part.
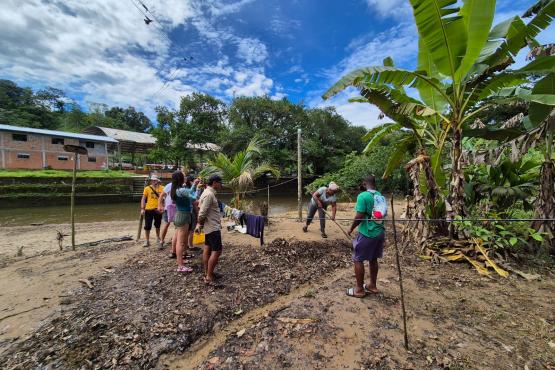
(145, 309)
(469, 251)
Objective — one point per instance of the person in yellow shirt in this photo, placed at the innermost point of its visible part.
(149, 208)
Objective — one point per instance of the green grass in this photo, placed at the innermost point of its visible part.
(62, 173)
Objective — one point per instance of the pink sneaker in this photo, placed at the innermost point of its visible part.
(184, 269)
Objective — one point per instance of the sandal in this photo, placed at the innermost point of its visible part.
(351, 293)
(184, 269)
(368, 290)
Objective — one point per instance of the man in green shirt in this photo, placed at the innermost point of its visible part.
(369, 243)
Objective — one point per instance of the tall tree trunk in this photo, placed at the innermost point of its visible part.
(545, 205)
(455, 206)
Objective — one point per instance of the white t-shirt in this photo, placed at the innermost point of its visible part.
(324, 197)
(168, 200)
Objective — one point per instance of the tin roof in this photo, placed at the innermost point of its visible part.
(131, 141)
(30, 130)
(123, 135)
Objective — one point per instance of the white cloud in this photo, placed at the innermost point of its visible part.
(251, 50)
(399, 42)
(249, 83)
(103, 51)
(399, 9)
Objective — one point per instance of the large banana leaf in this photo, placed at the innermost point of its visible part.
(520, 35)
(375, 137)
(478, 18)
(428, 94)
(541, 65)
(396, 157)
(388, 107)
(379, 75)
(539, 112)
(443, 31)
(494, 134)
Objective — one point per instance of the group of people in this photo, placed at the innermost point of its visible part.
(192, 207)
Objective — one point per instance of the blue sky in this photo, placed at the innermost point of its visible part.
(102, 51)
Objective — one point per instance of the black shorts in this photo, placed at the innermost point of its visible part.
(214, 241)
(150, 216)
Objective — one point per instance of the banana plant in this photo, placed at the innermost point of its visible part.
(240, 171)
(463, 68)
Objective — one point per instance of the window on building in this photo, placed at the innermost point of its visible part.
(92, 159)
(57, 141)
(63, 158)
(23, 156)
(89, 144)
(19, 137)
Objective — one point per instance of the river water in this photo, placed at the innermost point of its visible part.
(279, 203)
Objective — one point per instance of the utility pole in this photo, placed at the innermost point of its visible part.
(299, 176)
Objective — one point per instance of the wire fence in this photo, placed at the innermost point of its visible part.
(408, 220)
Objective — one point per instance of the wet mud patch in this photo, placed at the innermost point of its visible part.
(144, 309)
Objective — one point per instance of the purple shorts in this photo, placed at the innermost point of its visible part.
(368, 249)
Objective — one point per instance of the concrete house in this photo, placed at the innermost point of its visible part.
(30, 148)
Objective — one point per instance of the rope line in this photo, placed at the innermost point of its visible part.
(261, 189)
(426, 219)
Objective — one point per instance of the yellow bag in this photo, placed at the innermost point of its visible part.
(198, 238)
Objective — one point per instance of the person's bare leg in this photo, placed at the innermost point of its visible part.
(212, 262)
(185, 239)
(174, 242)
(164, 231)
(190, 239)
(205, 257)
(373, 275)
(359, 275)
(147, 236)
(181, 236)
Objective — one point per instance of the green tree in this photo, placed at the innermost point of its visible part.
(462, 70)
(204, 115)
(240, 171)
(129, 119)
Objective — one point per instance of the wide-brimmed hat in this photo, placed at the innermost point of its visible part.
(153, 178)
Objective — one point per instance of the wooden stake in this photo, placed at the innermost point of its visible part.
(299, 176)
(75, 159)
(400, 277)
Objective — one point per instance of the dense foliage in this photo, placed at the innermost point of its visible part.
(51, 109)
(356, 166)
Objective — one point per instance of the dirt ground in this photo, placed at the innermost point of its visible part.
(278, 306)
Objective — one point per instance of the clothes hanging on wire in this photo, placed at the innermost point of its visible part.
(255, 227)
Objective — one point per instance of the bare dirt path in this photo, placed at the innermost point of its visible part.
(34, 287)
(456, 320)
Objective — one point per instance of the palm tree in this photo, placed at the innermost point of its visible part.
(462, 70)
(240, 171)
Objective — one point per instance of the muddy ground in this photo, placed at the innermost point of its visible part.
(143, 309)
(279, 306)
